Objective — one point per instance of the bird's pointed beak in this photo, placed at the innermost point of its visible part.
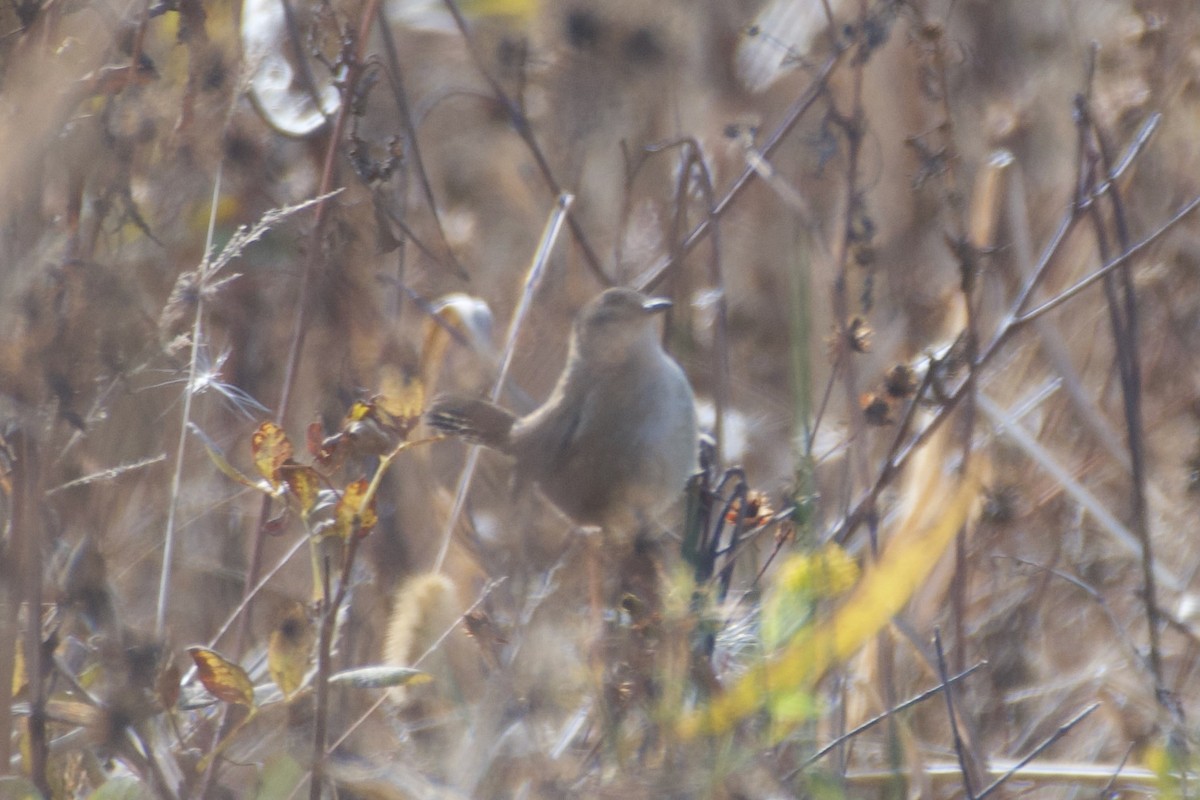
(654, 305)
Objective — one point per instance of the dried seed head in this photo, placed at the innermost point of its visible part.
(876, 409)
(900, 381)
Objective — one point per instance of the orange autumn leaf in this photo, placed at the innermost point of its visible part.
(224, 679)
(350, 517)
(271, 449)
(289, 648)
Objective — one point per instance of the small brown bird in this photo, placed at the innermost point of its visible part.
(616, 440)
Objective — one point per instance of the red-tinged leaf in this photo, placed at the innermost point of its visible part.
(314, 435)
(350, 517)
(224, 679)
(271, 449)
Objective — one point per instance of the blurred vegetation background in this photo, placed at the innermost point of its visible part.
(854, 206)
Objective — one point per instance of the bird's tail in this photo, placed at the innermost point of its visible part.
(474, 419)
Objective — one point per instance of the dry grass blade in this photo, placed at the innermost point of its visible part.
(1063, 477)
(533, 279)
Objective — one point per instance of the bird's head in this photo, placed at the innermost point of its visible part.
(616, 324)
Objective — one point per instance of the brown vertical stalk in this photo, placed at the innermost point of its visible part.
(10, 604)
(1122, 299)
(329, 612)
(854, 128)
(26, 588)
(968, 761)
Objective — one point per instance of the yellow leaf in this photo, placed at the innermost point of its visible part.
(1168, 760)
(517, 10)
(304, 483)
(904, 565)
(359, 411)
(224, 679)
(271, 449)
(402, 399)
(351, 518)
(19, 678)
(289, 648)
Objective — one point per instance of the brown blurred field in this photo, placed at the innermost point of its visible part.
(838, 205)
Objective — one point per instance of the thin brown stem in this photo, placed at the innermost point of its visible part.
(1019, 317)
(854, 128)
(410, 133)
(1062, 731)
(871, 723)
(26, 557)
(329, 613)
(791, 118)
(965, 763)
(966, 250)
(520, 123)
(1123, 313)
